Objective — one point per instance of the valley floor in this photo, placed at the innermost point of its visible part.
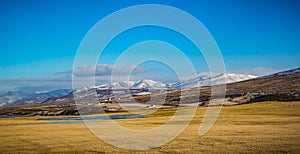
(265, 127)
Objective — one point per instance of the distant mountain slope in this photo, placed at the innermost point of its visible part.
(282, 82)
(17, 97)
(11, 97)
(289, 72)
(206, 80)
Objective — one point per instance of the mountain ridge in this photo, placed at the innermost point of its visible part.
(236, 82)
(281, 86)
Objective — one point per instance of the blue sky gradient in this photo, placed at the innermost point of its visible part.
(40, 38)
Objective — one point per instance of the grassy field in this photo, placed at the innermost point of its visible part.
(266, 127)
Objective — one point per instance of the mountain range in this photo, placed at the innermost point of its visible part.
(140, 84)
(237, 83)
(207, 80)
(282, 86)
(201, 80)
(19, 97)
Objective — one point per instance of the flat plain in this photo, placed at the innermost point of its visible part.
(265, 127)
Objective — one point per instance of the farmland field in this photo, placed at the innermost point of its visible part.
(266, 127)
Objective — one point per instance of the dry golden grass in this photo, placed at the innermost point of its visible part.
(267, 127)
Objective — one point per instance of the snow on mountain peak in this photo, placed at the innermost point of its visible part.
(145, 83)
(207, 80)
(148, 84)
(201, 80)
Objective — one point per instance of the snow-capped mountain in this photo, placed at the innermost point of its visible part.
(122, 84)
(54, 93)
(17, 97)
(207, 80)
(201, 80)
(145, 83)
(11, 97)
(148, 84)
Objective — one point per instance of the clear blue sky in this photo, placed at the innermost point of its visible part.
(40, 38)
